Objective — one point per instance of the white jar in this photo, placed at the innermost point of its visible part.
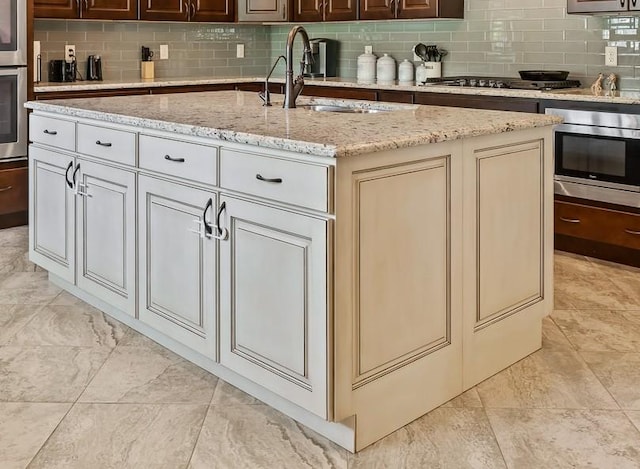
(405, 73)
(421, 74)
(366, 68)
(386, 69)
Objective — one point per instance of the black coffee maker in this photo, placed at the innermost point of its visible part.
(325, 58)
(94, 67)
(61, 71)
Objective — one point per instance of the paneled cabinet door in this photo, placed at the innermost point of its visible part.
(377, 9)
(177, 290)
(52, 212)
(408, 9)
(56, 8)
(594, 6)
(308, 10)
(168, 10)
(110, 9)
(262, 10)
(106, 234)
(273, 301)
(340, 10)
(634, 5)
(212, 10)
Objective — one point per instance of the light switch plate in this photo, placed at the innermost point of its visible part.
(368, 49)
(240, 51)
(164, 51)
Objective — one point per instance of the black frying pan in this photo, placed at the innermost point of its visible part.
(543, 75)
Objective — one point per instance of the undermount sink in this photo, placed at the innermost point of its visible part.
(335, 108)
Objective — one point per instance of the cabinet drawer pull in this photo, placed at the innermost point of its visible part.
(177, 160)
(274, 180)
(50, 132)
(208, 229)
(570, 220)
(66, 175)
(103, 144)
(632, 232)
(5, 189)
(73, 178)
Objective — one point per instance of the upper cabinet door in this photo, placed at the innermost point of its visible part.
(171, 10)
(56, 9)
(262, 10)
(377, 9)
(212, 10)
(308, 10)
(634, 5)
(417, 8)
(110, 9)
(595, 6)
(340, 10)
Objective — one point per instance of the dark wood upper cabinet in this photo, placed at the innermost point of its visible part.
(601, 6)
(212, 10)
(87, 9)
(377, 9)
(187, 10)
(308, 10)
(325, 10)
(410, 9)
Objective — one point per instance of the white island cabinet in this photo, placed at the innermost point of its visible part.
(351, 273)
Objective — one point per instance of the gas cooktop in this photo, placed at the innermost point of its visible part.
(503, 82)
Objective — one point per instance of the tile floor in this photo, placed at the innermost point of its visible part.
(80, 390)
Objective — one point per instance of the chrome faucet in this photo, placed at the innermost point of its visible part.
(293, 88)
(265, 96)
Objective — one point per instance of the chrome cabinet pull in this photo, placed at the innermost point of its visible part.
(570, 220)
(177, 160)
(223, 233)
(260, 177)
(50, 132)
(6, 188)
(187, 9)
(632, 232)
(192, 8)
(66, 175)
(103, 144)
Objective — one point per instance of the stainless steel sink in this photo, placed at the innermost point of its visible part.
(335, 108)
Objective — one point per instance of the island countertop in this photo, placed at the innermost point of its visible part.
(238, 116)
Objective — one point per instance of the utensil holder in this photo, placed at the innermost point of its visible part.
(147, 70)
(434, 69)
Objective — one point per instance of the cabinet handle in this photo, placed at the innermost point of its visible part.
(632, 232)
(192, 9)
(177, 160)
(208, 230)
(86, 5)
(50, 132)
(274, 180)
(66, 175)
(223, 233)
(75, 173)
(570, 220)
(622, 3)
(187, 9)
(103, 144)
(633, 3)
(5, 189)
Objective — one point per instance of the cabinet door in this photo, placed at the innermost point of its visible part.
(273, 301)
(177, 266)
(56, 8)
(408, 9)
(169, 10)
(105, 223)
(52, 212)
(634, 5)
(110, 9)
(592, 6)
(340, 10)
(377, 9)
(262, 10)
(308, 10)
(212, 10)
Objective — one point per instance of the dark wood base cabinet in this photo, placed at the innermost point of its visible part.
(597, 230)
(14, 194)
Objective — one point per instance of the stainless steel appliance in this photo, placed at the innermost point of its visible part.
(503, 82)
(13, 79)
(325, 58)
(62, 71)
(598, 156)
(94, 67)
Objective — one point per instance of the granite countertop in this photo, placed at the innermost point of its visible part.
(238, 116)
(573, 94)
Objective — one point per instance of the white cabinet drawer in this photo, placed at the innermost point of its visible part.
(273, 178)
(180, 159)
(52, 131)
(114, 145)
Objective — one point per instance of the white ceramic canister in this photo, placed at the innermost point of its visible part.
(386, 69)
(366, 68)
(405, 72)
(421, 74)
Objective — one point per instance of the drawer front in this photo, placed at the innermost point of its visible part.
(598, 224)
(272, 178)
(14, 188)
(114, 145)
(181, 159)
(54, 132)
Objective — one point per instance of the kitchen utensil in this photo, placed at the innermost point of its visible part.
(421, 51)
(147, 54)
(543, 75)
(441, 54)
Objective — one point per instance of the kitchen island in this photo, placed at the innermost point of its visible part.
(352, 269)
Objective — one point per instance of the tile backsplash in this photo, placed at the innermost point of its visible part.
(497, 37)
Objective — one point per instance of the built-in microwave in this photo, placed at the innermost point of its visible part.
(597, 156)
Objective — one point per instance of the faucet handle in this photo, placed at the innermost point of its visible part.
(265, 96)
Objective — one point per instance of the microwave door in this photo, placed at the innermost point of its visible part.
(13, 115)
(13, 33)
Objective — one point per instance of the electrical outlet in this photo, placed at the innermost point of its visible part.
(164, 51)
(368, 49)
(69, 53)
(611, 56)
(240, 51)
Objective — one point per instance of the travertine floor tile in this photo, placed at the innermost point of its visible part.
(546, 438)
(65, 298)
(619, 373)
(553, 338)
(133, 338)
(634, 416)
(144, 375)
(227, 395)
(24, 427)
(27, 288)
(257, 436)
(123, 436)
(625, 277)
(546, 379)
(443, 439)
(13, 318)
(15, 237)
(469, 398)
(14, 259)
(597, 330)
(82, 326)
(48, 374)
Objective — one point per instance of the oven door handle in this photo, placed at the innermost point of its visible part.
(632, 232)
(570, 220)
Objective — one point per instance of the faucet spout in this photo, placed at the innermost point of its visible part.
(293, 87)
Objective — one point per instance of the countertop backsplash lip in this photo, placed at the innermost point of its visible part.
(621, 97)
(235, 116)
